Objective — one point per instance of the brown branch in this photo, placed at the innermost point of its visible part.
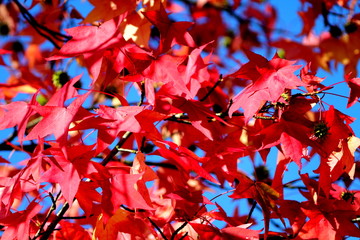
(51, 228)
(126, 135)
(51, 210)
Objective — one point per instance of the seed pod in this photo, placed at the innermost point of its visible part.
(4, 29)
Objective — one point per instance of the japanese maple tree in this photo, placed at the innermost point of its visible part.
(179, 119)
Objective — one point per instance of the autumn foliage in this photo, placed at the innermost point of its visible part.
(178, 119)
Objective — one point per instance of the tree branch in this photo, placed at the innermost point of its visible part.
(45, 235)
(51, 210)
(39, 28)
(251, 211)
(115, 150)
(213, 88)
(78, 217)
(157, 228)
(52, 226)
(178, 230)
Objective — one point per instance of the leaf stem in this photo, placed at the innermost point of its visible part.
(213, 88)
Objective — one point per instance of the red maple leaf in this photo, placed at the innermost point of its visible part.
(91, 42)
(291, 210)
(165, 69)
(184, 158)
(57, 119)
(292, 131)
(136, 119)
(269, 80)
(199, 115)
(71, 231)
(240, 232)
(308, 77)
(65, 93)
(87, 195)
(18, 224)
(354, 84)
(332, 129)
(328, 220)
(170, 33)
(17, 114)
(121, 221)
(121, 189)
(338, 163)
(69, 168)
(262, 193)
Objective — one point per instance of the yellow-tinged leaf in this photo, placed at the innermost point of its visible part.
(353, 144)
(137, 28)
(342, 161)
(270, 192)
(14, 87)
(33, 54)
(109, 230)
(106, 10)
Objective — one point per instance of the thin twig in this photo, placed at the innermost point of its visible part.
(251, 211)
(39, 28)
(184, 236)
(66, 205)
(126, 135)
(52, 226)
(143, 140)
(33, 20)
(127, 150)
(42, 34)
(201, 207)
(213, 88)
(178, 230)
(115, 150)
(51, 210)
(78, 217)
(157, 228)
(265, 118)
